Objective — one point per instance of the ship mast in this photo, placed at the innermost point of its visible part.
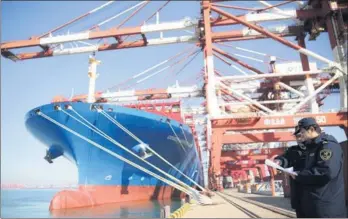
(92, 74)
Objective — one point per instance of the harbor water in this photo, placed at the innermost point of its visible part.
(34, 203)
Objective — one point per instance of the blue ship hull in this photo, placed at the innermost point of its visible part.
(96, 168)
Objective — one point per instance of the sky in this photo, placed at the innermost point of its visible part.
(31, 83)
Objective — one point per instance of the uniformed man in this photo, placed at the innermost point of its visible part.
(294, 157)
(321, 179)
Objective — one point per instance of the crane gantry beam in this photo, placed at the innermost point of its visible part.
(45, 41)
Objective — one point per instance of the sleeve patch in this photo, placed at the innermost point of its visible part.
(325, 154)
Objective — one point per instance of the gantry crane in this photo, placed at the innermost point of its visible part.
(239, 110)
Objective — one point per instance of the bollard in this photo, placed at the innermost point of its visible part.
(165, 212)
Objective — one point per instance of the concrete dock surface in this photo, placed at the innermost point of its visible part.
(226, 206)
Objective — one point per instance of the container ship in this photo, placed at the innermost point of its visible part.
(66, 129)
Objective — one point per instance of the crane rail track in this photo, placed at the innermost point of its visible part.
(252, 214)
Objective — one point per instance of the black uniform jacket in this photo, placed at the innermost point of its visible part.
(322, 179)
(294, 157)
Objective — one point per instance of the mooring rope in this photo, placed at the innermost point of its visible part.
(95, 129)
(184, 134)
(178, 139)
(118, 156)
(141, 142)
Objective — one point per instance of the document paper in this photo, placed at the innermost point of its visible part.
(274, 165)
